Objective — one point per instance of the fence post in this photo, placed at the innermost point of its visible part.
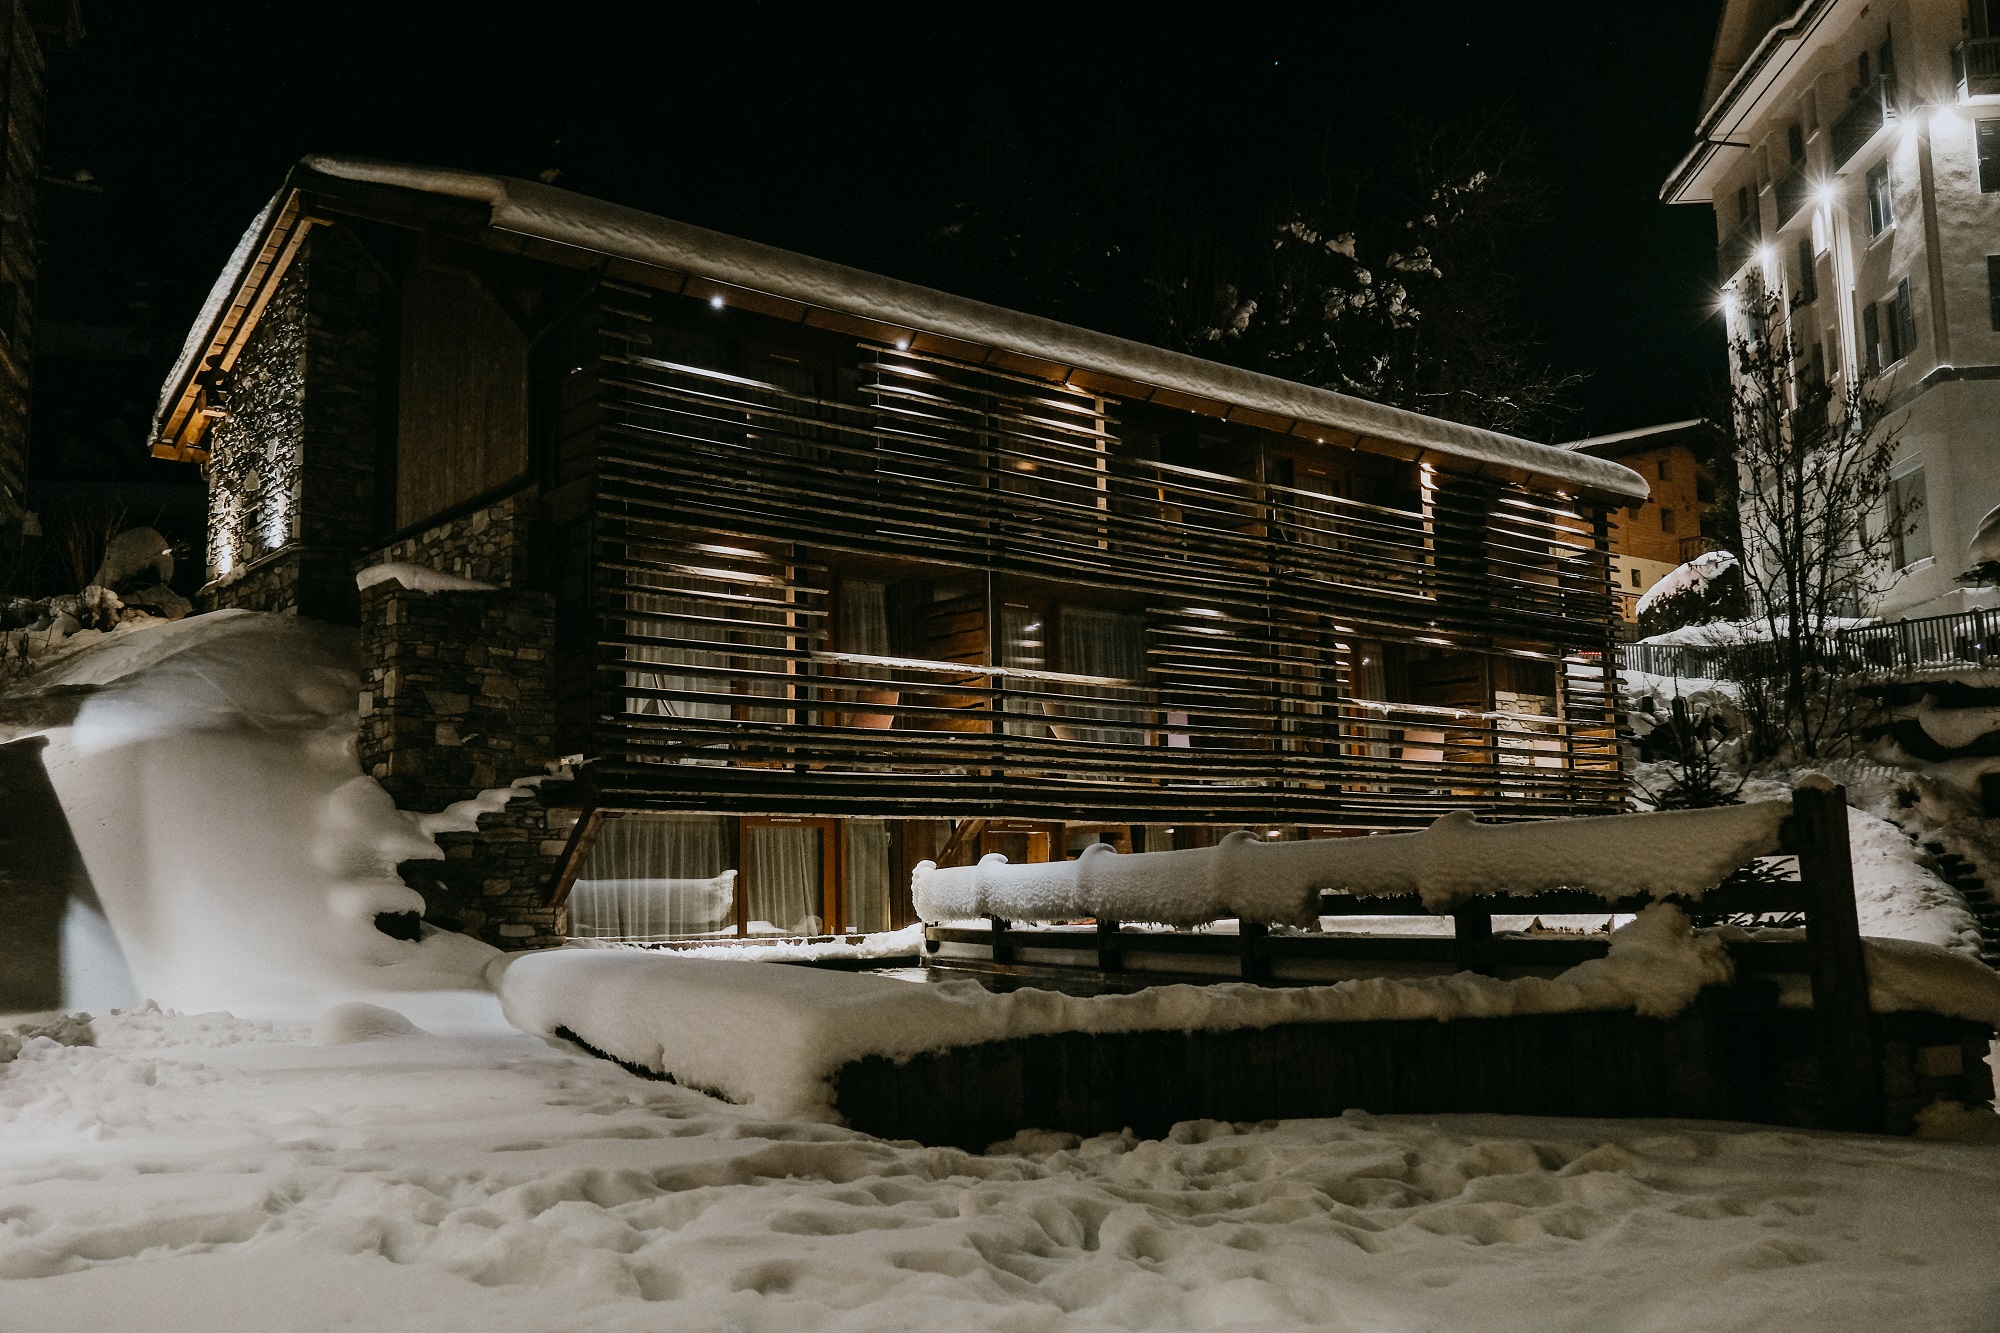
(1473, 930)
(1110, 958)
(1003, 952)
(1850, 1066)
(1253, 963)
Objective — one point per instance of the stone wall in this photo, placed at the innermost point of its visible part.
(493, 884)
(455, 691)
(490, 544)
(292, 467)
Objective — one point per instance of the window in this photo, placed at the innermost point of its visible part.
(1704, 490)
(1795, 144)
(1742, 203)
(1808, 289)
(1635, 577)
(1871, 339)
(1816, 367)
(1666, 520)
(1908, 514)
(1902, 323)
(1987, 139)
(1881, 203)
(1663, 469)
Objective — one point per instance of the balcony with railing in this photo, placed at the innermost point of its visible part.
(1873, 108)
(1738, 247)
(1975, 67)
(1792, 190)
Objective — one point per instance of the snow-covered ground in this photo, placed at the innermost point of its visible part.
(204, 1173)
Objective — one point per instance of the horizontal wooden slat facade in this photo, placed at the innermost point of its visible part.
(726, 508)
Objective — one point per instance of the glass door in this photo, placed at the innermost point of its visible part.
(789, 872)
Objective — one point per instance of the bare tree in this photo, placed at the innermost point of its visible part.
(1811, 502)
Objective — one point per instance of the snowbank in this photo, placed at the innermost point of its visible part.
(1676, 852)
(239, 852)
(772, 1037)
(419, 578)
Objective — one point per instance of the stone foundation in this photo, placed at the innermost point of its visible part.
(493, 884)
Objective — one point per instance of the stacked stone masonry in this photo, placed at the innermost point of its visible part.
(493, 884)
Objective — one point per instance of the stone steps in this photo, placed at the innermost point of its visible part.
(1962, 875)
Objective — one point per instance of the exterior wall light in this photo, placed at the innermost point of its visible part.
(715, 301)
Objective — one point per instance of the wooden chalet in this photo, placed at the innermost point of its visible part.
(810, 574)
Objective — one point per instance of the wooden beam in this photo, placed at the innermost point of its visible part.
(575, 853)
(963, 834)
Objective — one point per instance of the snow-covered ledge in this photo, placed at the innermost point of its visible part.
(1683, 852)
(419, 578)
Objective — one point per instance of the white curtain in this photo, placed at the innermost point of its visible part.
(666, 603)
(868, 886)
(781, 872)
(656, 877)
(1023, 647)
(1105, 643)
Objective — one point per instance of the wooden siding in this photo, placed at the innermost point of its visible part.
(726, 508)
(462, 403)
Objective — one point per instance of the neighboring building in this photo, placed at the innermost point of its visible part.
(1673, 524)
(812, 574)
(26, 28)
(1851, 151)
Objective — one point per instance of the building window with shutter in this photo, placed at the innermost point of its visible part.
(1881, 203)
(1808, 279)
(1903, 340)
(1871, 339)
(1910, 518)
(1988, 139)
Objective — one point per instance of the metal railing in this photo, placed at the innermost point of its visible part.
(1968, 638)
(1791, 191)
(1975, 67)
(1873, 107)
(1738, 246)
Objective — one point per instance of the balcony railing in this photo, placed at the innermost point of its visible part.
(1872, 108)
(1934, 643)
(1738, 246)
(1975, 67)
(1792, 190)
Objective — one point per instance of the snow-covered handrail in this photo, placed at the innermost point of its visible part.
(1676, 852)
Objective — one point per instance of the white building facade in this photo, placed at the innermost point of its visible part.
(1851, 151)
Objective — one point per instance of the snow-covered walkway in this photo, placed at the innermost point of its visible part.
(207, 1173)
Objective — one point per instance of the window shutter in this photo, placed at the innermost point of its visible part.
(1808, 279)
(1906, 320)
(1871, 338)
(1993, 289)
(1988, 140)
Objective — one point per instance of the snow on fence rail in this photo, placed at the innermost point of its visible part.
(1681, 852)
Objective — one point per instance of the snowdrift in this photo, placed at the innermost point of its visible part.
(240, 854)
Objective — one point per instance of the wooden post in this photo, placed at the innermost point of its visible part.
(1850, 1065)
(574, 855)
(1003, 952)
(1110, 958)
(1254, 962)
(1473, 930)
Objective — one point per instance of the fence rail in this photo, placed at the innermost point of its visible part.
(1968, 638)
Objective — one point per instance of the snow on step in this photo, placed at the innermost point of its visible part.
(1673, 852)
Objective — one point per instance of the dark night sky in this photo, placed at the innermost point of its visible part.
(842, 130)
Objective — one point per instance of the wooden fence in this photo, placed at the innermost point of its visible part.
(1840, 1041)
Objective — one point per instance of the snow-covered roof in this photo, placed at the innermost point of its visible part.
(546, 214)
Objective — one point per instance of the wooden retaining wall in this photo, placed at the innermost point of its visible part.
(1732, 1055)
